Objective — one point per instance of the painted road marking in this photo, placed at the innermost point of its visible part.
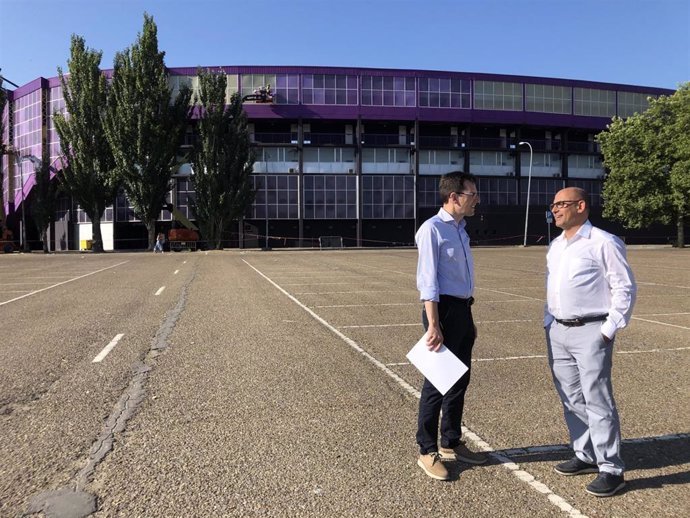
(666, 285)
(660, 323)
(543, 356)
(522, 475)
(357, 291)
(419, 323)
(175, 272)
(160, 290)
(61, 283)
(107, 348)
(370, 305)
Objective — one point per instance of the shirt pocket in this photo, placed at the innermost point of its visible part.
(582, 270)
(451, 254)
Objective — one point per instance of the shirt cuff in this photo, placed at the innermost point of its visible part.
(429, 294)
(608, 329)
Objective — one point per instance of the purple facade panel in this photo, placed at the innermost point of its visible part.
(323, 93)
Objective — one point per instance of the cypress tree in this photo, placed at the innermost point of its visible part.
(44, 198)
(144, 127)
(88, 166)
(223, 160)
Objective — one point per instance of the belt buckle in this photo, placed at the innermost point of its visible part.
(577, 322)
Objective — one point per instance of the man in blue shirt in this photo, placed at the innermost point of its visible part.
(445, 280)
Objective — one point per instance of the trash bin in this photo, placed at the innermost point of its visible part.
(85, 244)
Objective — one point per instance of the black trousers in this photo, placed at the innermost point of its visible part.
(457, 326)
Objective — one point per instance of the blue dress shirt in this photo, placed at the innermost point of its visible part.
(445, 265)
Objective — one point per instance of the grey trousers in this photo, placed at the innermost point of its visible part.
(580, 362)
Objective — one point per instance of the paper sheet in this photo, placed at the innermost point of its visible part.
(442, 368)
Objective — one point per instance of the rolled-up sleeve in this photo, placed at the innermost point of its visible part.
(427, 263)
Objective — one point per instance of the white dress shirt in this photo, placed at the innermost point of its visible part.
(589, 275)
(445, 265)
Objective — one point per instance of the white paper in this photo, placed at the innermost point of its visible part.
(442, 368)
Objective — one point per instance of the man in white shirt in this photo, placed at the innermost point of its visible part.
(590, 296)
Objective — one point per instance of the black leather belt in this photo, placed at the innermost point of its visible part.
(577, 322)
(449, 299)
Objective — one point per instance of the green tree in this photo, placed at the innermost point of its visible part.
(88, 170)
(223, 159)
(648, 158)
(43, 198)
(144, 127)
(3, 101)
(3, 149)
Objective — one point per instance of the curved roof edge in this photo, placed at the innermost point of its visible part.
(42, 82)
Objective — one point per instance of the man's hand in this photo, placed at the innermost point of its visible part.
(607, 340)
(434, 338)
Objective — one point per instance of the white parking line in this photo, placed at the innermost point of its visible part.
(419, 323)
(662, 314)
(160, 290)
(380, 325)
(107, 348)
(660, 323)
(61, 283)
(175, 272)
(520, 474)
(511, 294)
(543, 356)
(370, 305)
(666, 285)
(342, 292)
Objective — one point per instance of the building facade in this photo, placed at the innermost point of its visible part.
(357, 153)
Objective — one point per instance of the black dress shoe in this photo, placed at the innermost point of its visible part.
(575, 466)
(606, 484)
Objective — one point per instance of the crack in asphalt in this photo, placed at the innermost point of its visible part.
(68, 502)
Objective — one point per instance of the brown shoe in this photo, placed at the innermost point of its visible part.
(463, 453)
(432, 466)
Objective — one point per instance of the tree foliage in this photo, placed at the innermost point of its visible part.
(648, 158)
(87, 174)
(223, 159)
(144, 127)
(3, 101)
(43, 198)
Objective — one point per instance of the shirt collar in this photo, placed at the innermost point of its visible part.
(583, 232)
(447, 218)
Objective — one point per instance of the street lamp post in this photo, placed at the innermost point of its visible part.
(529, 186)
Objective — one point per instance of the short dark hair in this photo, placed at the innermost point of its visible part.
(454, 182)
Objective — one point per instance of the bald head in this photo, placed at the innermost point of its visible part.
(575, 193)
(570, 209)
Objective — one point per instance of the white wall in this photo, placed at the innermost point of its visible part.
(86, 232)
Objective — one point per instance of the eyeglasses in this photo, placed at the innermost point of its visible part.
(468, 194)
(563, 204)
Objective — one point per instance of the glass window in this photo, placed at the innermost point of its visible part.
(276, 196)
(495, 95)
(330, 197)
(444, 93)
(548, 98)
(630, 103)
(387, 91)
(329, 89)
(595, 103)
(283, 86)
(388, 197)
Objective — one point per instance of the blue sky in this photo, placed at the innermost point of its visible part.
(639, 42)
